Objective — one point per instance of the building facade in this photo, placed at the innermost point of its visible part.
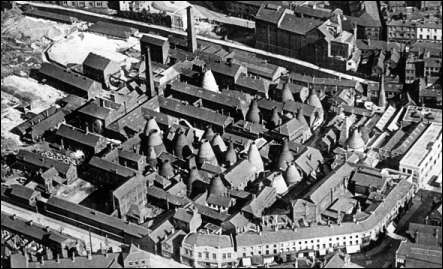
(208, 250)
(424, 159)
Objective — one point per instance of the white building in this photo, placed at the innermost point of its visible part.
(134, 6)
(429, 31)
(208, 250)
(212, 250)
(424, 159)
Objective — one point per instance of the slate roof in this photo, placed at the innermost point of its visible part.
(95, 111)
(111, 29)
(183, 215)
(73, 134)
(290, 127)
(323, 187)
(96, 61)
(237, 220)
(153, 39)
(294, 107)
(195, 112)
(426, 234)
(211, 240)
(163, 195)
(259, 85)
(204, 94)
(48, 15)
(50, 122)
(71, 78)
(34, 231)
(111, 167)
(269, 13)
(297, 25)
(161, 231)
(264, 199)
(41, 161)
(240, 173)
(308, 160)
(23, 127)
(99, 217)
(219, 200)
(224, 68)
(368, 177)
(271, 237)
(97, 261)
(211, 213)
(297, 77)
(420, 256)
(129, 155)
(311, 12)
(21, 191)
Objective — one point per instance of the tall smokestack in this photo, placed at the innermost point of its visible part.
(192, 39)
(149, 77)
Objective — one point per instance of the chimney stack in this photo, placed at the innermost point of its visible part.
(148, 74)
(192, 39)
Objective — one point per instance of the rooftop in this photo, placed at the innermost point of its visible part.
(73, 134)
(399, 192)
(211, 240)
(99, 217)
(422, 146)
(71, 78)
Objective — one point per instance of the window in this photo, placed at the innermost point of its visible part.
(190, 253)
(229, 255)
(130, 263)
(224, 256)
(214, 256)
(199, 254)
(207, 255)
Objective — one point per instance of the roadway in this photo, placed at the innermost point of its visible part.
(229, 44)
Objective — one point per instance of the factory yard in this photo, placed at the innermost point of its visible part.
(75, 48)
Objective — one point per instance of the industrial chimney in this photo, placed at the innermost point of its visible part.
(192, 39)
(149, 77)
